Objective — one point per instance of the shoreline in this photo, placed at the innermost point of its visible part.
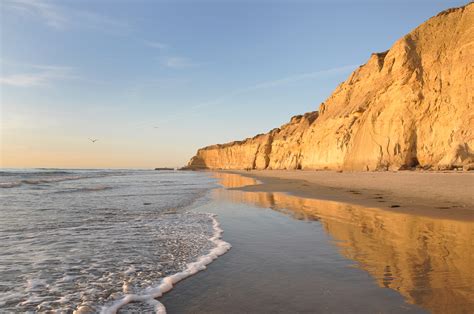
(332, 256)
(279, 263)
(152, 293)
(446, 195)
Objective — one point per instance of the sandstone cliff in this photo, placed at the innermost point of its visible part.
(409, 106)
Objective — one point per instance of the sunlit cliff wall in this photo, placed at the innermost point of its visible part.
(412, 105)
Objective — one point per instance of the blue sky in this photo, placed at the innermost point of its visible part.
(155, 80)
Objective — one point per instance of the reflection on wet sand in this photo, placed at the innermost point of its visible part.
(428, 260)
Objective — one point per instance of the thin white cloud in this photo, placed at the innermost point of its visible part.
(135, 88)
(38, 75)
(304, 76)
(279, 82)
(179, 62)
(262, 85)
(24, 80)
(156, 44)
(174, 62)
(62, 17)
(47, 12)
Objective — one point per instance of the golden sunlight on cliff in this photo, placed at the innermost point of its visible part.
(409, 106)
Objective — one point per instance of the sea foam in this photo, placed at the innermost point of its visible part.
(37, 181)
(149, 295)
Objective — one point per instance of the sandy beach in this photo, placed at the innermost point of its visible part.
(237, 157)
(438, 194)
(297, 253)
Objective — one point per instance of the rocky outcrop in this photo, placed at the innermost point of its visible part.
(277, 149)
(409, 106)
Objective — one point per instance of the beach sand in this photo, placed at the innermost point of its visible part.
(295, 254)
(436, 194)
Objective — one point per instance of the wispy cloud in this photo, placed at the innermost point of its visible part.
(138, 88)
(47, 12)
(303, 76)
(156, 44)
(62, 17)
(262, 85)
(38, 75)
(179, 62)
(173, 61)
(279, 82)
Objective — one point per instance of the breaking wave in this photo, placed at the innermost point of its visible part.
(150, 294)
(40, 181)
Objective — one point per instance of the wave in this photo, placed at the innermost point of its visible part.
(150, 294)
(33, 173)
(41, 181)
(6, 185)
(88, 189)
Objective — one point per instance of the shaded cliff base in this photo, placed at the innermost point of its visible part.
(436, 194)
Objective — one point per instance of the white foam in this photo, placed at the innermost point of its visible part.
(64, 299)
(130, 270)
(7, 185)
(34, 299)
(87, 189)
(67, 278)
(149, 295)
(35, 284)
(42, 180)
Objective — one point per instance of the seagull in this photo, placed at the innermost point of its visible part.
(93, 140)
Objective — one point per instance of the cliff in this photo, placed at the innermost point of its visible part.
(409, 106)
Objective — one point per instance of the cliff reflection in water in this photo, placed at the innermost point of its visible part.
(430, 261)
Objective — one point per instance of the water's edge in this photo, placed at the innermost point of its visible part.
(151, 294)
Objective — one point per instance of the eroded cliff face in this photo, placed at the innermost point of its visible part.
(409, 106)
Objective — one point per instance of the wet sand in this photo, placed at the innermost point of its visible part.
(436, 194)
(300, 255)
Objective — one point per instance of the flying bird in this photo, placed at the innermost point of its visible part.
(93, 140)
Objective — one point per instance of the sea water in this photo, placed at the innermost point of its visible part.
(95, 240)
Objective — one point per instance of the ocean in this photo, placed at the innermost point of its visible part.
(95, 240)
(114, 241)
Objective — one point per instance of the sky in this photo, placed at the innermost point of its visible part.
(154, 81)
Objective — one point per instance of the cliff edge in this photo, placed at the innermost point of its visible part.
(410, 106)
